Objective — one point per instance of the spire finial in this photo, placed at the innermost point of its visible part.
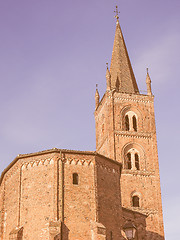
(148, 83)
(117, 13)
(97, 96)
(107, 64)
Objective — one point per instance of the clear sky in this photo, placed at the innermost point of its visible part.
(52, 54)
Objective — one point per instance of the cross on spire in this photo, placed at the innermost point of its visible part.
(117, 13)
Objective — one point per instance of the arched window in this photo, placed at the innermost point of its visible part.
(129, 161)
(136, 161)
(75, 179)
(127, 122)
(135, 201)
(130, 121)
(134, 123)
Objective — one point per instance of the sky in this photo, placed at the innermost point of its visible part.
(52, 55)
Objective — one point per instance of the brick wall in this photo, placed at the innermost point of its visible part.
(40, 200)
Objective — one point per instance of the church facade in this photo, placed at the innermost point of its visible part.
(62, 194)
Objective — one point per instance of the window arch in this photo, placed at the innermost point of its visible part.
(135, 201)
(130, 121)
(75, 179)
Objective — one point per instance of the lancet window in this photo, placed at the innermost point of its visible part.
(135, 201)
(75, 179)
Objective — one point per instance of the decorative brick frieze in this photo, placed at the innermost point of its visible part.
(108, 168)
(81, 162)
(37, 163)
(129, 134)
(142, 173)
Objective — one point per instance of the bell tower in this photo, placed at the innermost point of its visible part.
(126, 132)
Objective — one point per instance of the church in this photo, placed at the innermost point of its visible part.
(112, 193)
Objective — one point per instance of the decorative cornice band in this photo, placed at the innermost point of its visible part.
(78, 162)
(133, 135)
(142, 173)
(131, 99)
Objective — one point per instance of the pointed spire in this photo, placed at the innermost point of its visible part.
(121, 70)
(108, 78)
(97, 96)
(148, 83)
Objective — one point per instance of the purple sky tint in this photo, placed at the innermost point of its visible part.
(52, 53)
